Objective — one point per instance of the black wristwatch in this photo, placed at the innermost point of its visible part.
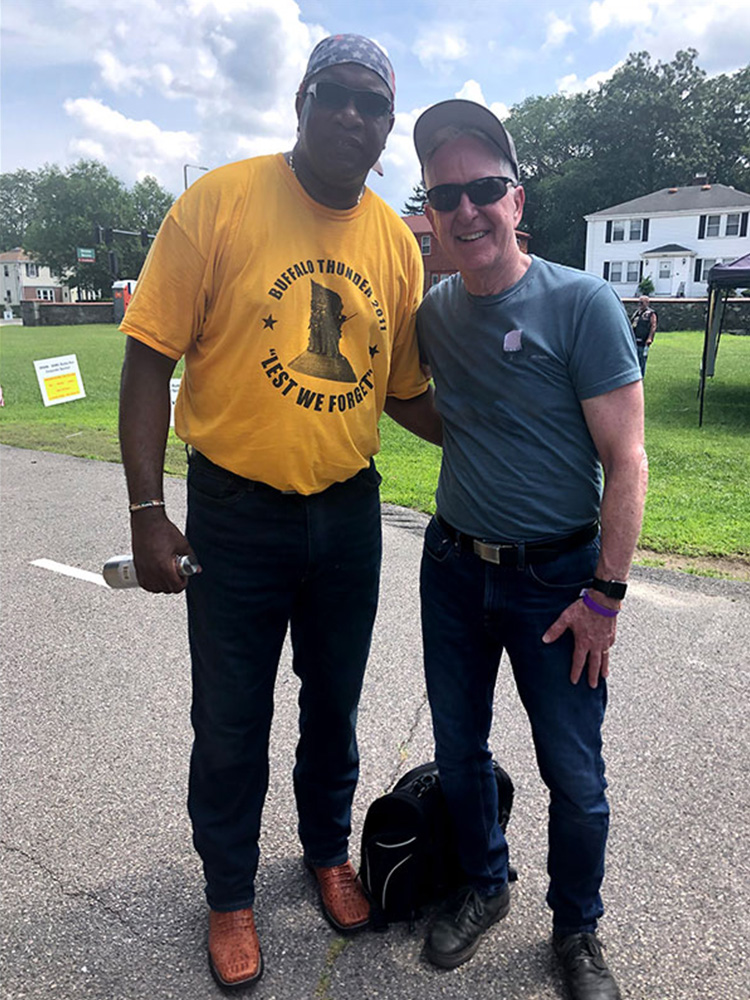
(615, 589)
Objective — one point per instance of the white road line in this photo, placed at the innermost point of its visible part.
(79, 574)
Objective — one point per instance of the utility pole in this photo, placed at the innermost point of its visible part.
(194, 166)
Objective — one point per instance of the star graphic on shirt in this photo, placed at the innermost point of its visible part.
(374, 350)
(268, 322)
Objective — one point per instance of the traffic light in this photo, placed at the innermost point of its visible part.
(98, 235)
(145, 238)
(114, 264)
(109, 236)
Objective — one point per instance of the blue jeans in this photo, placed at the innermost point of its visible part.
(271, 560)
(642, 350)
(471, 611)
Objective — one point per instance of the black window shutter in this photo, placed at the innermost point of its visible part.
(644, 231)
(608, 237)
(697, 272)
(702, 227)
(743, 224)
(640, 272)
(605, 270)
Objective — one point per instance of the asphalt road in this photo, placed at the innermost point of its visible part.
(102, 895)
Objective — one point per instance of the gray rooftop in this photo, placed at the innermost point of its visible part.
(669, 248)
(695, 198)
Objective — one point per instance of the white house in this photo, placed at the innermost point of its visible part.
(22, 279)
(675, 236)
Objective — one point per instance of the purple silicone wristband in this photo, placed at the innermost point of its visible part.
(592, 605)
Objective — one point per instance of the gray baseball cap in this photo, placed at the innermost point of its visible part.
(463, 114)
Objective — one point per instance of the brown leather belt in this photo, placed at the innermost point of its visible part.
(516, 553)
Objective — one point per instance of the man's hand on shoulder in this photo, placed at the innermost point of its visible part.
(157, 543)
(594, 635)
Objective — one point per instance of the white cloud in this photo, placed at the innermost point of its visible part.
(117, 76)
(131, 147)
(472, 91)
(713, 29)
(234, 60)
(438, 44)
(570, 84)
(662, 27)
(88, 149)
(234, 65)
(558, 30)
(400, 156)
(401, 169)
(604, 14)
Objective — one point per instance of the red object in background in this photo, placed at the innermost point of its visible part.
(122, 293)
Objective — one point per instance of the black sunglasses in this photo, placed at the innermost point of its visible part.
(334, 96)
(483, 191)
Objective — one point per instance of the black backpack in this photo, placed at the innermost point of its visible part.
(409, 855)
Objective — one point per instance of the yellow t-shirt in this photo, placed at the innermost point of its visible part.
(295, 320)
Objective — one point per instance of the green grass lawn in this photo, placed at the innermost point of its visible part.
(699, 494)
(85, 427)
(699, 499)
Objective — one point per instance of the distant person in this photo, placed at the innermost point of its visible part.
(291, 291)
(538, 386)
(644, 321)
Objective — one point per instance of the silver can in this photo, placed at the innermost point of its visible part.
(119, 571)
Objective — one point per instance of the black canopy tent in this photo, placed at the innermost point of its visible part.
(722, 279)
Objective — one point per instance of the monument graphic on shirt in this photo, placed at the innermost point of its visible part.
(322, 358)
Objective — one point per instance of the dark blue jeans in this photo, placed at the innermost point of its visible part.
(271, 560)
(642, 350)
(471, 611)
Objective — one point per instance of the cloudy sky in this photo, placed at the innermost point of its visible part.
(147, 86)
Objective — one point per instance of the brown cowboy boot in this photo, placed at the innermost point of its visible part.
(344, 903)
(233, 948)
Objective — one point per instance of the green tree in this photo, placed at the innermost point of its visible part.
(71, 205)
(17, 207)
(549, 132)
(724, 105)
(650, 126)
(150, 203)
(416, 201)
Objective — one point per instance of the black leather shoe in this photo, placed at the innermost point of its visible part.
(459, 924)
(584, 970)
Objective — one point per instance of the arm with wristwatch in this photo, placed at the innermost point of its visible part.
(615, 421)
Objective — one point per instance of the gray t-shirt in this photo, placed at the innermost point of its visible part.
(510, 371)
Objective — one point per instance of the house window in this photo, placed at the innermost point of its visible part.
(615, 272)
(733, 224)
(618, 231)
(636, 229)
(46, 294)
(425, 243)
(713, 222)
(633, 270)
(665, 268)
(434, 279)
(32, 271)
(6, 269)
(708, 263)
